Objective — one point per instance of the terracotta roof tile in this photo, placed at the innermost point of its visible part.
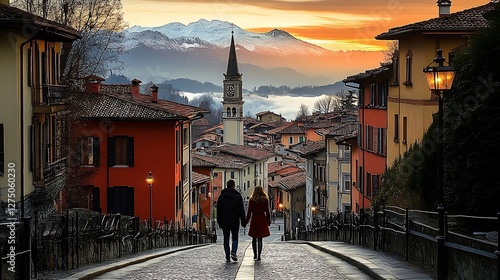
(295, 128)
(245, 151)
(367, 74)
(218, 160)
(281, 126)
(345, 131)
(308, 147)
(275, 166)
(199, 178)
(124, 106)
(464, 21)
(293, 181)
(266, 112)
(202, 121)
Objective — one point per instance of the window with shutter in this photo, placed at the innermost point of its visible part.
(405, 129)
(89, 150)
(396, 128)
(375, 139)
(121, 151)
(373, 94)
(360, 179)
(121, 200)
(375, 184)
(395, 68)
(367, 138)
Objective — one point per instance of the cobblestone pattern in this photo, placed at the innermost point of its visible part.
(293, 261)
(203, 263)
(279, 261)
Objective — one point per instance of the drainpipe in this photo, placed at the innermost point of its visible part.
(21, 85)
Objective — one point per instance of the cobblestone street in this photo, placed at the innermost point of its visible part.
(279, 261)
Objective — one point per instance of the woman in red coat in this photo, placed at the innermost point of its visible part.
(260, 219)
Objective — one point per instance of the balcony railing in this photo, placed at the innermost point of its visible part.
(54, 95)
(54, 170)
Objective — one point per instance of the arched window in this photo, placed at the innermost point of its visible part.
(228, 112)
(234, 112)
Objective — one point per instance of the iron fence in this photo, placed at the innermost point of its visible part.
(411, 235)
(80, 237)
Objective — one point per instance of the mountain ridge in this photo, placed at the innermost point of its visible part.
(199, 51)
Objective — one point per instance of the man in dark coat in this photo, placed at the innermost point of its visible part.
(230, 212)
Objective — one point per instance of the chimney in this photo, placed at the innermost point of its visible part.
(93, 84)
(444, 7)
(154, 93)
(136, 88)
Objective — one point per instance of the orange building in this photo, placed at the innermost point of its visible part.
(369, 152)
(122, 136)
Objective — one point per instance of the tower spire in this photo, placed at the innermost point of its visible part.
(232, 63)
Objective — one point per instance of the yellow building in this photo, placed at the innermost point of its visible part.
(410, 103)
(268, 116)
(32, 146)
(293, 134)
(338, 166)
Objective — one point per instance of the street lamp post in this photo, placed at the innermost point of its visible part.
(150, 180)
(440, 78)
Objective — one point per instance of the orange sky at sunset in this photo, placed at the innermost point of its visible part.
(333, 24)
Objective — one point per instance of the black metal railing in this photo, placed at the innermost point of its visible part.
(54, 170)
(411, 235)
(53, 95)
(80, 237)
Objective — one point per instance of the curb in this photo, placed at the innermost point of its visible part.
(345, 258)
(94, 272)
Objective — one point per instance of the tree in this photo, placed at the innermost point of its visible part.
(348, 100)
(326, 104)
(303, 111)
(392, 48)
(471, 125)
(99, 22)
(207, 102)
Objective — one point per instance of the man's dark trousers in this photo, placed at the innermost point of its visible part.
(233, 229)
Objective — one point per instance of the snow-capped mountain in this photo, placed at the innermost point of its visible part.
(199, 51)
(217, 33)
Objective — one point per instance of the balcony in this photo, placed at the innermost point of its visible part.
(50, 99)
(51, 172)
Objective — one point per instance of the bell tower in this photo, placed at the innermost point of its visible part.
(232, 101)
